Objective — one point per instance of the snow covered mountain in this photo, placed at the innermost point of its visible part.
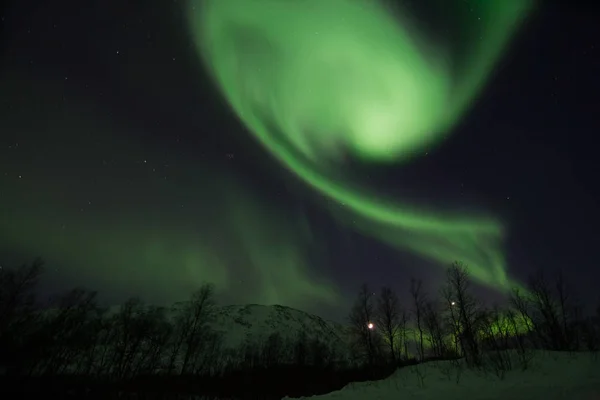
(253, 324)
(235, 334)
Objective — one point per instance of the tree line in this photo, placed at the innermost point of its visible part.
(72, 346)
(454, 324)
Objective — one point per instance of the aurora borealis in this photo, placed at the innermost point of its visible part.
(289, 151)
(312, 79)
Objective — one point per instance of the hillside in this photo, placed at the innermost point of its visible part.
(253, 322)
(250, 326)
(552, 376)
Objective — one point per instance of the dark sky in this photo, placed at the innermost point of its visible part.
(122, 166)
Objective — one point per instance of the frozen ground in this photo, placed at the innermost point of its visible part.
(551, 376)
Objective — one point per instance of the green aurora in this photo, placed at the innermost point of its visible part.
(316, 80)
(127, 225)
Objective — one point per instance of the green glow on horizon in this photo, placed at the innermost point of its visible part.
(233, 242)
(314, 80)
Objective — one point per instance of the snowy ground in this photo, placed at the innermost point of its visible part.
(551, 376)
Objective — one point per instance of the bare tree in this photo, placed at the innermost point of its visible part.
(67, 331)
(522, 306)
(389, 319)
(466, 309)
(362, 323)
(521, 327)
(452, 318)
(131, 329)
(404, 318)
(547, 310)
(496, 334)
(434, 325)
(107, 332)
(18, 317)
(419, 298)
(95, 330)
(565, 308)
(192, 328)
(17, 293)
(156, 331)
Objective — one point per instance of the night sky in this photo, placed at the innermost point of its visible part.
(124, 168)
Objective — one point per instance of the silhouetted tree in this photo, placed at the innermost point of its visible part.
(522, 306)
(130, 329)
(404, 318)
(547, 314)
(67, 335)
(156, 331)
(419, 298)
(18, 318)
(17, 293)
(433, 323)
(136, 349)
(465, 310)
(388, 318)
(362, 320)
(192, 329)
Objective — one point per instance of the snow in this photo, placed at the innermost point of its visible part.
(253, 322)
(551, 376)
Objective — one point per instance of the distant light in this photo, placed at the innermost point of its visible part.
(453, 303)
(370, 325)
